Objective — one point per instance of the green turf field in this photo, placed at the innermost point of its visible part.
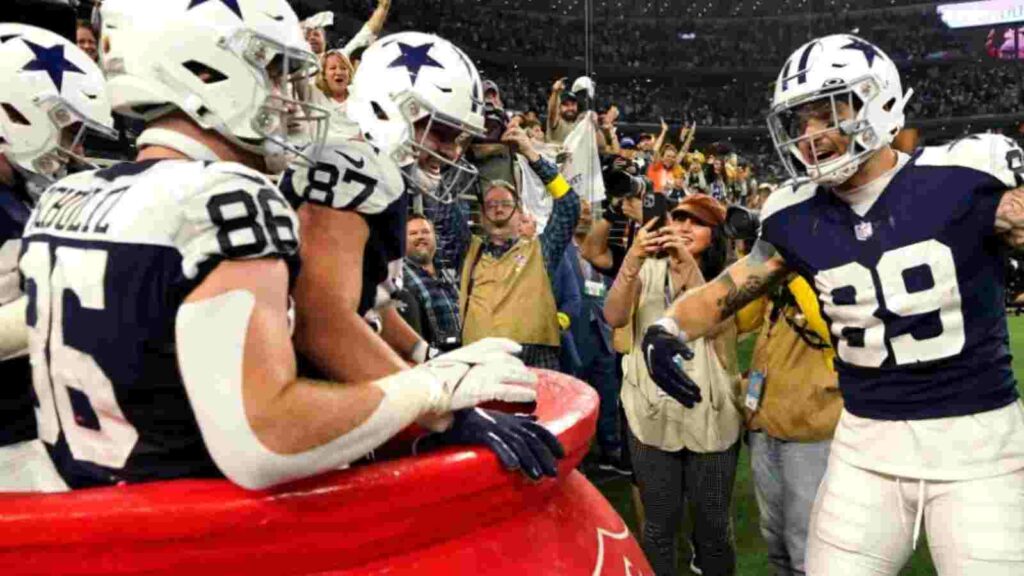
(752, 559)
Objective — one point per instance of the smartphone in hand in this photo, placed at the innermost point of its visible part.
(656, 206)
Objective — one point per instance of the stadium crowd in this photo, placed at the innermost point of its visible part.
(567, 226)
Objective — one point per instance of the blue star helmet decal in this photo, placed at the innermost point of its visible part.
(230, 4)
(52, 61)
(869, 51)
(414, 58)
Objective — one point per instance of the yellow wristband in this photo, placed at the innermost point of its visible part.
(558, 187)
(563, 321)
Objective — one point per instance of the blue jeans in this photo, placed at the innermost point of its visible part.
(598, 369)
(786, 479)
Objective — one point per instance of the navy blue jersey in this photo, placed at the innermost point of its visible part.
(108, 257)
(17, 418)
(913, 291)
(351, 175)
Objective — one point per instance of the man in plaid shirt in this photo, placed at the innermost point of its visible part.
(435, 288)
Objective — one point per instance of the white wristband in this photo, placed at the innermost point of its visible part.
(670, 326)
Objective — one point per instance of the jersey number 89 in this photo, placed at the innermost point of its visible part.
(855, 320)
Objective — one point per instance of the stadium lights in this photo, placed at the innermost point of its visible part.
(987, 13)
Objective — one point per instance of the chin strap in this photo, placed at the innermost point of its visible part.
(176, 141)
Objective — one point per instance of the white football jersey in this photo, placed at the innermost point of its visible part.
(108, 257)
(352, 175)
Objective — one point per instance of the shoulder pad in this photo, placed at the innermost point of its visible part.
(993, 154)
(348, 175)
(227, 171)
(788, 194)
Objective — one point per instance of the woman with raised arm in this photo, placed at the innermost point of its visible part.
(680, 446)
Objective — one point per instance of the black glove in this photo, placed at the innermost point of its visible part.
(518, 440)
(664, 354)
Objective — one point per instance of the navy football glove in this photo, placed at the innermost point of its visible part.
(518, 440)
(665, 353)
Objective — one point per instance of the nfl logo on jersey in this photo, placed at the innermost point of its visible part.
(863, 231)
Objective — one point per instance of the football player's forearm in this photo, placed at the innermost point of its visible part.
(345, 348)
(1010, 217)
(699, 311)
(261, 425)
(397, 332)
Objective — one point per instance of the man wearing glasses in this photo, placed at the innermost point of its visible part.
(506, 279)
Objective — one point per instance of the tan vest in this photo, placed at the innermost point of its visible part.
(655, 418)
(800, 401)
(511, 296)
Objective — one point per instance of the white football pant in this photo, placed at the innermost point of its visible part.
(865, 523)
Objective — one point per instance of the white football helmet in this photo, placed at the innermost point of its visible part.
(234, 66)
(49, 84)
(837, 68)
(408, 77)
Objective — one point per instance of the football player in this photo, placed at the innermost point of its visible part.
(417, 98)
(158, 289)
(53, 93)
(906, 254)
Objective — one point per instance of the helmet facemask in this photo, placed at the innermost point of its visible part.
(787, 124)
(287, 128)
(458, 175)
(290, 127)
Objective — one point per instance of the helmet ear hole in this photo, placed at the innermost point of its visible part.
(15, 116)
(379, 112)
(205, 73)
(888, 105)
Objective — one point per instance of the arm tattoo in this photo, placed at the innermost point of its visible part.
(739, 296)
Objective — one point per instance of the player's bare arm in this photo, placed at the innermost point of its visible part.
(273, 396)
(1010, 217)
(263, 425)
(329, 330)
(699, 311)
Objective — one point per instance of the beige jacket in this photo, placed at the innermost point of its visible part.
(658, 420)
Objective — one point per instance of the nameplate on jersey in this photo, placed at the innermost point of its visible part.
(71, 210)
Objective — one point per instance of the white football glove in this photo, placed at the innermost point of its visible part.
(478, 373)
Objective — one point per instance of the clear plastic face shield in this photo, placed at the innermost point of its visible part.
(837, 112)
(438, 141)
(72, 126)
(293, 129)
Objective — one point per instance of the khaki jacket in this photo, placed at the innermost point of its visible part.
(508, 297)
(658, 420)
(800, 399)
